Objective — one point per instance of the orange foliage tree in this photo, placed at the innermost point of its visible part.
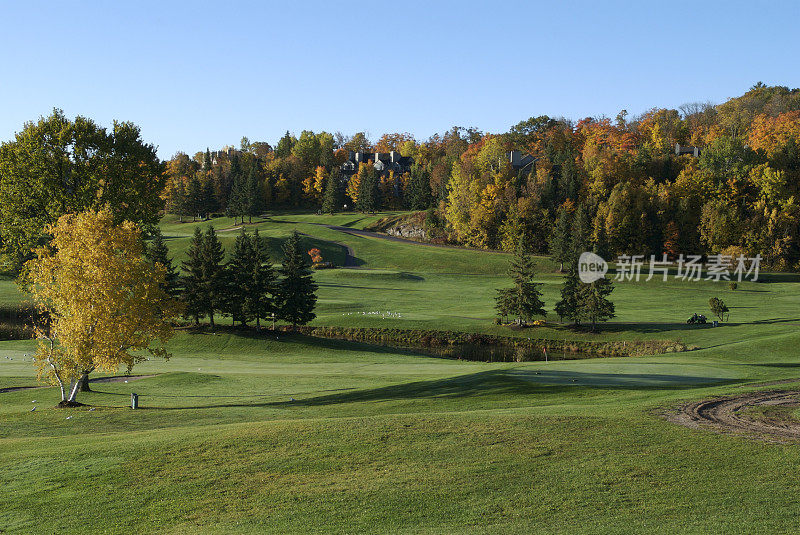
(316, 255)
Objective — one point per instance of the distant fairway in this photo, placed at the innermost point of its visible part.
(278, 433)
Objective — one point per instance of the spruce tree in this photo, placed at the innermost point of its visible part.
(524, 298)
(297, 290)
(332, 198)
(239, 273)
(567, 307)
(418, 191)
(181, 200)
(285, 146)
(261, 301)
(593, 303)
(157, 253)
(236, 195)
(601, 242)
(368, 190)
(505, 302)
(581, 234)
(207, 160)
(209, 196)
(194, 295)
(213, 272)
(559, 240)
(253, 199)
(194, 197)
(237, 202)
(527, 294)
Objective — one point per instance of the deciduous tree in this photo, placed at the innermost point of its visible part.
(58, 166)
(105, 301)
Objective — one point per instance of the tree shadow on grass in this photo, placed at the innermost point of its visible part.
(640, 327)
(351, 286)
(646, 327)
(778, 277)
(775, 321)
(493, 383)
(476, 384)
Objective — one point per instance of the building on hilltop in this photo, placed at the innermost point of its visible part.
(519, 161)
(383, 161)
(226, 153)
(680, 150)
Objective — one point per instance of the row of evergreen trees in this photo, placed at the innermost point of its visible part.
(580, 302)
(246, 287)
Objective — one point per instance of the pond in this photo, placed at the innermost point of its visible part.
(499, 353)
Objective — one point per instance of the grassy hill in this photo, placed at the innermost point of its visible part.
(276, 433)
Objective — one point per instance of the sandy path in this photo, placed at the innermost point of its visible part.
(730, 414)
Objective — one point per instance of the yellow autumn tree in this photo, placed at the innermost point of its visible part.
(105, 302)
(314, 185)
(354, 183)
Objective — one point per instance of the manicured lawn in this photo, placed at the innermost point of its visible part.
(245, 433)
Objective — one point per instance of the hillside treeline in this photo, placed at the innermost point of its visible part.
(617, 183)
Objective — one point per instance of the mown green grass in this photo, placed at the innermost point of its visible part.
(278, 433)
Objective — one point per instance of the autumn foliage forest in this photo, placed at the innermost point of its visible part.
(615, 184)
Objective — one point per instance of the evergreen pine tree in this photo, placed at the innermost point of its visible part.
(236, 195)
(239, 273)
(601, 243)
(505, 303)
(524, 298)
(559, 241)
(194, 197)
(332, 198)
(528, 296)
(418, 191)
(194, 295)
(569, 181)
(567, 307)
(213, 271)
(219, 183)
(209, 197)
(252, 195)
(581, 235)
(157, 253)
(207, 160)
(178, 200)
(261, 301)
(237, 201)
(285, 146)
(593, 303)
(297, 289)
(368, 190)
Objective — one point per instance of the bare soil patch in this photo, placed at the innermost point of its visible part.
(765, 415)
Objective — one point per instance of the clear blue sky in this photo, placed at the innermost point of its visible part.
(196, 74)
